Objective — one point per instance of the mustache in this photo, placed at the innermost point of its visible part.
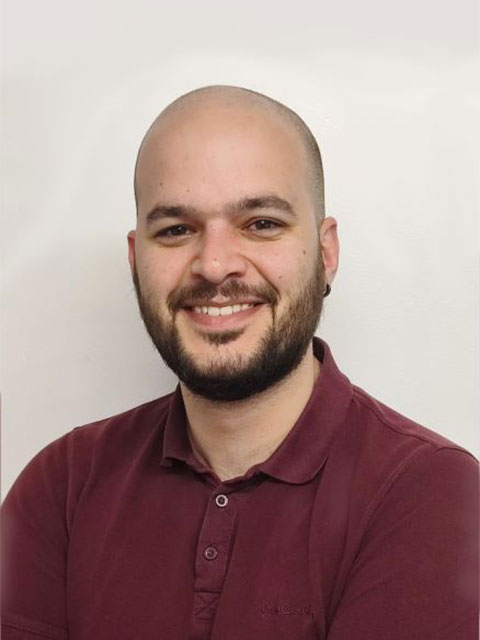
(202, 292)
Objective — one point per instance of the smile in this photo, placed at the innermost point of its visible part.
(217, 317)
(227, 310)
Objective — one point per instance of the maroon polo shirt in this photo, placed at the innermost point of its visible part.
(361, 525)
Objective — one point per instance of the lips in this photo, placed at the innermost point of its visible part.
(226, 310)
(229, 307)
(222, 316)
(204, 298)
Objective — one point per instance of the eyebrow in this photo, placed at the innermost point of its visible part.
(161, 211)
(169, 211)
(262, 202)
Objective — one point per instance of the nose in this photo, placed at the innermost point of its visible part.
(218, 256)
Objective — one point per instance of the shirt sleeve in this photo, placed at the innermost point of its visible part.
(415, 576)
(34, 549)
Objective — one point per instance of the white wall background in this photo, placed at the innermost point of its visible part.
(388, 87)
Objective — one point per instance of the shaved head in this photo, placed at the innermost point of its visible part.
(232, 101)
(231, 247)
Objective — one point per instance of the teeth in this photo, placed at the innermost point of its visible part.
(222, 311)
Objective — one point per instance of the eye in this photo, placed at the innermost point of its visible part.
(177, 230)
(265, 227)
(174, 234)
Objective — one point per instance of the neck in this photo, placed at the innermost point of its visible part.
(231, 437)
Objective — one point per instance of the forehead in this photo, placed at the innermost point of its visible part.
(209, 154)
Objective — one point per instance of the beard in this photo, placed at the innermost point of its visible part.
(279, 352)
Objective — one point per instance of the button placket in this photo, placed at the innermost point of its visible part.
(214, 541)
(211, 552)
(214, 545)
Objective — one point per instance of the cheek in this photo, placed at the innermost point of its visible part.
(157, 276)
(286, 270)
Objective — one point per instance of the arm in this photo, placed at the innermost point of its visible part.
(34, 550)
(415, 576)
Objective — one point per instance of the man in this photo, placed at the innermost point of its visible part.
(267, 497)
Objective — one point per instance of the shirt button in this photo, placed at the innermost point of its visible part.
(210, 553)
(221, 500)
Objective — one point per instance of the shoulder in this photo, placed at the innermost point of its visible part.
(390, 458)
(387, 431)
(410, 536)
(58, 474)
(123, 430)
(118, 433)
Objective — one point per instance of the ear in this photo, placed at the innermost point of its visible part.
(131, 249)
(330, 247)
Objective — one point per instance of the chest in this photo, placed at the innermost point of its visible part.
(176, 558)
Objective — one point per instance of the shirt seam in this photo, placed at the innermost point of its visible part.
(359, 395)
(29, 629)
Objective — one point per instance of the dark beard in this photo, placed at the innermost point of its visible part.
(279, 353)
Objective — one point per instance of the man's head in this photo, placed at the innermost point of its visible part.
(232, 251)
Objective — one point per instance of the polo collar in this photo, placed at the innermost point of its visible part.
(305, 449)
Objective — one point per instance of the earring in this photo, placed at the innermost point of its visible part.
(328, 288)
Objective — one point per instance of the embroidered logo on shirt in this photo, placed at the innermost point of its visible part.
(285, 609)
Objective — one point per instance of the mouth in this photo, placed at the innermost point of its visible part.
(225, 316)
(226, 310)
